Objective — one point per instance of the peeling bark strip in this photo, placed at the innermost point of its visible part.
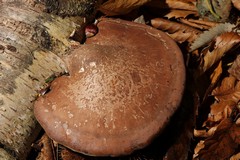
(31, 42)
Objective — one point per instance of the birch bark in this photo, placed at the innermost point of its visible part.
(31, 45)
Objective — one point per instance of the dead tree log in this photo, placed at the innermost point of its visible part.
(31, 44)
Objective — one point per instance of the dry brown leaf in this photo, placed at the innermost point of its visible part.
(120, 7)
(174, 13)
(205, 133)
(198, 147)
(234, 70)
(235, 157)
(179, 32)
(214, 10)
(227, 95)
(216, 74)
(46, 150)
(66, 154)
(222, 144)
(174, 4)
(218, 48)
(192, 24)
(228, 91)
(214, 77)
(238, 119)
(203, 23)
(222, 8)
(219, 111)
(212, 33)
(182, 36)
(234, 133)
(236, 4)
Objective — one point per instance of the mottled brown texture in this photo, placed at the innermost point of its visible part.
(124, 85)
(72, 7)
(234, 70)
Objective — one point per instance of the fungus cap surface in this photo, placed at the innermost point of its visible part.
(124, 85)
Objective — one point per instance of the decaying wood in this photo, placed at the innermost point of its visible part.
(31, 43)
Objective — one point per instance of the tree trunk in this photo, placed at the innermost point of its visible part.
(31, 44)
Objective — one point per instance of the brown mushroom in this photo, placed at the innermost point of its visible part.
(124, 85)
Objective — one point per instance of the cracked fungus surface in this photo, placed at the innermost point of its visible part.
(116, 99)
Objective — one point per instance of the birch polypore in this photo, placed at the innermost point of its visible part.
(124, 86)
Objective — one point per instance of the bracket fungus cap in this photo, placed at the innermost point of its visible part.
(124, 86)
